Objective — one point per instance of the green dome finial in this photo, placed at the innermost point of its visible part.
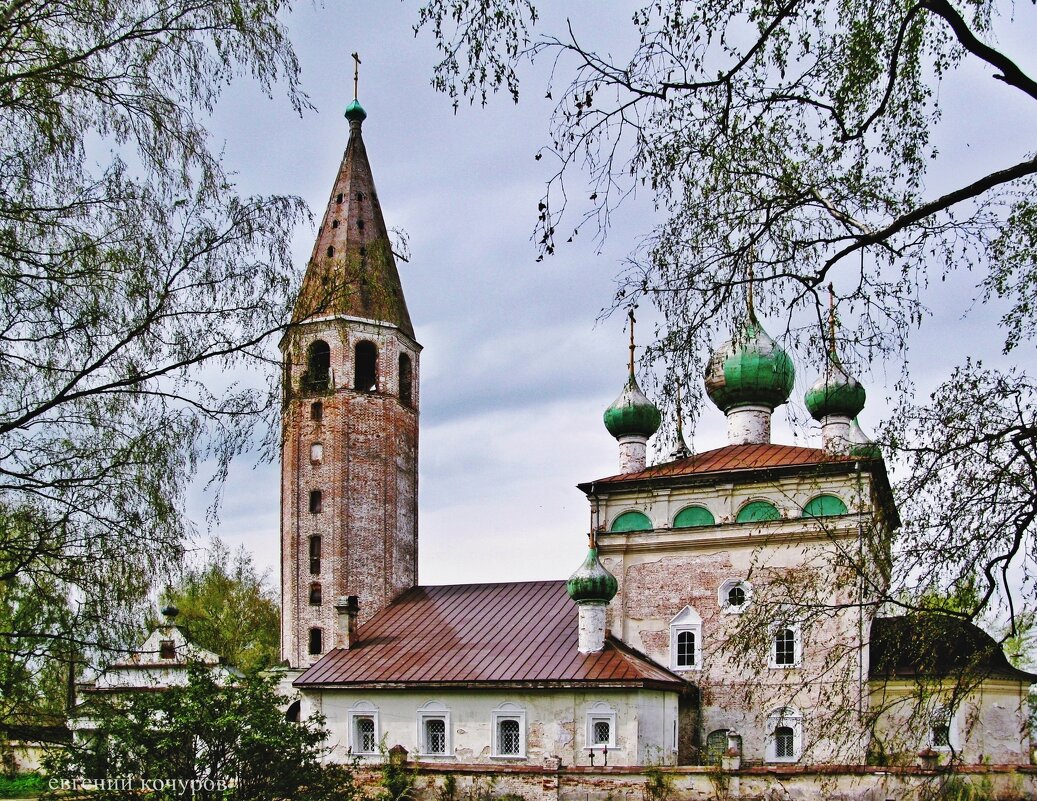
(632, 413)
(591, 581)
(355, 112)
(836, 393)
(750, 369)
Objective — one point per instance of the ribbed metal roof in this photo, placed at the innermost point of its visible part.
(732, 458)
(482, 634)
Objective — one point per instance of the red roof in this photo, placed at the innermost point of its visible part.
(732, 458)
(485, 634)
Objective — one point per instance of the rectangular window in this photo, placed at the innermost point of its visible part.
(436, 736)
(167, 649)
(316, 452)
(316, 502)
(785, 647)
(509, 737)
(316, 642)
(316, 411)
(784, 742)
(314, 555)
(364, 736)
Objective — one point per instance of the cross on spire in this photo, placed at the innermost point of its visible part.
(630, 314)
(356, 75)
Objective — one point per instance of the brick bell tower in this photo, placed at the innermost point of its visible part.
(349, 459)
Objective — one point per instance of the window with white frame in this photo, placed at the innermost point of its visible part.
(734, 595)
(786, 646)
(784, 735)
(509, 731)
(363, 728)
(434, 729)
(686, 640)
(601, 726)
(943, 733)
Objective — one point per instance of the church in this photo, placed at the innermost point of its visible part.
(729, 606)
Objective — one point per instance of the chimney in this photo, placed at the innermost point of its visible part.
(347, 609)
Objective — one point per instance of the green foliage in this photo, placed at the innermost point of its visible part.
(228, 608)
(128, 267)
(659, 784)
(203, 740)
(25, 785)
(396, 780)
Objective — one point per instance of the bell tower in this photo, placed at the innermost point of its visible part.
(349, 453)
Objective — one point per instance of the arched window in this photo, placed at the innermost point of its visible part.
(291, 714)
(686, 640)
(316, 596)
(318, 367)
(406, 381)
(824, 506)
(331, 251)
(434, 729)
(785, 646)
(632, 521)
(692, 516)
(363, 732)
(365, 366)
(784, 735)
(757, 512)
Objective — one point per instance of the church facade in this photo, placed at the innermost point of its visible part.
(729, 604)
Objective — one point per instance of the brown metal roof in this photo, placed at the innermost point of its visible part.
(483, 634)
(732, 458)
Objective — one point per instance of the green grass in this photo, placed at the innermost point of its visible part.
(27, 785)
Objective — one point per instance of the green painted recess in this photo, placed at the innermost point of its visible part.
(692, 516)
(632, 521)
(758, 512)
(824, 506)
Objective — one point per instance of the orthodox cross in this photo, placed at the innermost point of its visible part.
(356, 74)
(630, 314)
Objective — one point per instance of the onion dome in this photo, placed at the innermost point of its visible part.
(836, 393)
(354, 111)
(592, 582)
(170, 612)
(749, 370)
(861, 444)
(632, 413)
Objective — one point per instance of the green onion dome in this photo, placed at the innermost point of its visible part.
(861, 444)
(592, 582)
(632, 413)
(749, 370)
(354, 111)
(836, 393)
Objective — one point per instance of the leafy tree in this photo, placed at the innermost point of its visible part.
(789, 145)
(132, 274)
(203, 740)
(227, 607)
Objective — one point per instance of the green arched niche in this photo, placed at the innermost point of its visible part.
(757, 512)
(692, 516)
(824, 506)
(632, 521)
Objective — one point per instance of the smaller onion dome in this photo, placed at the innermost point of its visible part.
(170, 612)
(749, 370)
(837, 393)
(861, 444)
(592, 582)
(354, 111)
(632, 413)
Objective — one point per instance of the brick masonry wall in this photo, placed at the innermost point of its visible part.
(368, 477)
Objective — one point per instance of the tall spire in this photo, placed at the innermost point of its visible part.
(352, 270)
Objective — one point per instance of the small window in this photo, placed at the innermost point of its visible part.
(435, 736)
(632, 521)
(758, 512)
(315, 555)
(331, 251)
(316, 411)
(509, 731)
(824, 506)
(318, 367)
(406, 395)
(686, 640)
(338, 198)
(166, 649)
(364, 741)
(784, 735)
(316, 501)
(316, 596)
(694, 516)
(365, 367)
(334, 223)
(942, 731)
(785, 647)
(433, 729)
(734, 595)
(316, 642)
(316, 452)
(293, 713)
(601, 727)
(360, 196)
(360, 225)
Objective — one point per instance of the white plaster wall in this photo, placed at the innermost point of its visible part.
(555, 722)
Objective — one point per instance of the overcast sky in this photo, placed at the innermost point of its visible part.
(515, 371)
